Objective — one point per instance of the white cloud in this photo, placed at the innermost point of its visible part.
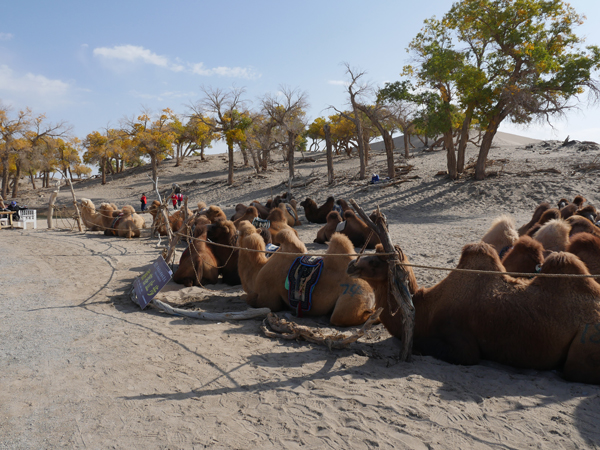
(338, 82)
(134, 54)
(6, 36)
(30, 83)
(164, 95)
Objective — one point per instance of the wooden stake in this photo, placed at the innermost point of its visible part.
(51, 209)
(77, 214)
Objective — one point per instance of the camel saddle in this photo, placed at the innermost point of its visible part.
(291, 211)
(271, 248)
(113, 226)
(340, 226)
(339, 209)
(302, 278)
(261, 223)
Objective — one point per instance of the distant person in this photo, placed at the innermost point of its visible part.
(144, 201)
(174, 200)
(179, 199)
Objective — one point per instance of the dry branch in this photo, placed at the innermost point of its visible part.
(250, 313)
(291, 330)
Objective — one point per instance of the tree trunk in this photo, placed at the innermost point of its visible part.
(32, 178)
(5, 175)
(464, 138)
(361, 149)
(254, 159)
(291, 141)
(202, 158)
(451, 155)
(230, 174)
(15, 190)
(177, 154)
(486, 143)
(154, 161)
(244, 155)
(328, 146)
(103, 169)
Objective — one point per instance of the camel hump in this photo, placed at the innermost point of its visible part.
(480, 256)
(564, 263)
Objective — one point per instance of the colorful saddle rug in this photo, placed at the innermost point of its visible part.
(113, 226)
(261, 223)
(291, 211)
(302, 278)
(340, 226)
(339, 209)
(271, 248)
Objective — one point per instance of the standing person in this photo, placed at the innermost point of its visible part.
(144, 200)
(174, 200)
(179, 199)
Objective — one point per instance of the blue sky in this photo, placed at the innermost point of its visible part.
(92, 63)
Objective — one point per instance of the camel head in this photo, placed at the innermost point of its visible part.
(201, 206)
(308, 202)
(525, 256)
(87, 204)
(214, 213)
(334, 217)
(222, 231)
(589, 212)
(372, 268)
(562, 203)
(343, 203)
(580, 224)
(153, 209)
(579, 200)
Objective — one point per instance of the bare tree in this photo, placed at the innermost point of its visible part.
(225, 108)
(287, 110)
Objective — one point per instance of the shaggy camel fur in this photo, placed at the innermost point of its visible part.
(526, 256)
(536, 216)
(249, 214)
(502, 234)
(349, 302)
(554, 235)
(290, 214)
(358, 231)
(343, 204)
(96, 221)
(589, 212)
(539, 323)
(128, 225)
(213, 213)
(278, 223)
(317, 214)
(548, 215)
(580, 224)
(263, 211)
(571, 208)
(197, 265)
(158, 220)
(326, 231)
(224, 232)
(586, 247)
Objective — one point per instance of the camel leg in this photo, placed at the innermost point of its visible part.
(583, 359)
(350, 310)
(268, 300)
(454, 347)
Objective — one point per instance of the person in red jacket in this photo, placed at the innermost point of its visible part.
(174, 200)
(144, 201)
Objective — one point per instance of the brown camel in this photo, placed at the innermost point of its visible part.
(249, 214)
(126, 223)
(548, 215)
(539, 323)
(580, 224)
(589, 212)
(502, 233)
(542, 207)
(554, 236)
(571, 208)
(525, 256)
(263, 211)
(348, 302)
(357, 230)
(158, 221)
(326, 231)
(278, 223)
(317, 214)
(290, 214)
(224, 232)
(586, 247)
(197, 265)
(96, 221)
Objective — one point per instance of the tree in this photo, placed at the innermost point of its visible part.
(223, 110)
(287, 110)
(10, 130)
(521, 61)
(195, 135)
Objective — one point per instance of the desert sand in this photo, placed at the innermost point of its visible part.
(84, 367)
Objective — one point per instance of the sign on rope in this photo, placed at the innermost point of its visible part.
(146, 286)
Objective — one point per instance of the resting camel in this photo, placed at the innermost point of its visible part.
(348, 302)
(548, 215)
(580, 224)
(586, 247)
(96, 221)
(317, 214)
(539, 323)
(158, 220)
(198, 264)
(263, 211)
(571, 208)
(554, 235)
(357, 230)
(249, 214)
(224, 232)
(502, 234)
(126, 223)
(213, 213)
(278, 223)
(290, 214)
(525, 256)
(536, 216)
(326, 231)
(343, 204)
(589, 212)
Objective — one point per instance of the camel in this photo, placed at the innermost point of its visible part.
(580, 224)
(197, 265)
(357, 230)
(586, 247)
(525, 256)
(213, 212)
(542, 207)
(290, 214)
(263, 211)
(249, 214)
(96, 221)
(317, 214)
(589, 212)
(554, 235)
(126, 223)
(277, 224)
(502, 234)
(349, 302)
(225, 232)
(548, 215)
(571, 208)
(326, 231)
(158, 221)
(538, 323)
(343, 204)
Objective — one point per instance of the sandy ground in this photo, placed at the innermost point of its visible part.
(84, 367)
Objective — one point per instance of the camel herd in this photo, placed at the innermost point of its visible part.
(516, 317)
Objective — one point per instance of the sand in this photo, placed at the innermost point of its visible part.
(84, 367)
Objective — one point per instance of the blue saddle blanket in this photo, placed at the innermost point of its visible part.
(302, 278)
(261, 223)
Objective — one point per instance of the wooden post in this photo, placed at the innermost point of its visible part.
(51, 209)
(398, 280)
(330, 175)
(77, 214)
